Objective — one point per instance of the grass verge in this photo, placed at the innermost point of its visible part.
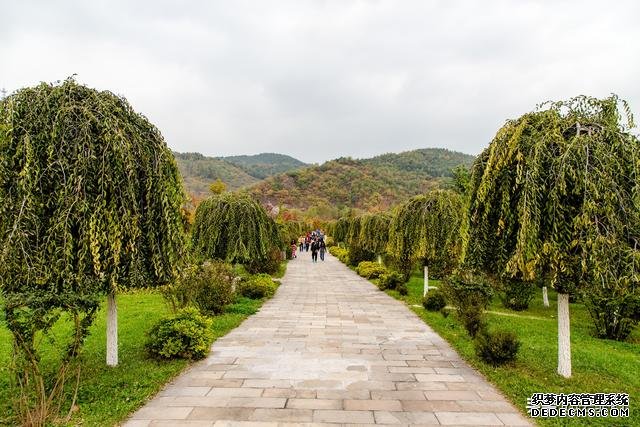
(108, 395)
(599, 366)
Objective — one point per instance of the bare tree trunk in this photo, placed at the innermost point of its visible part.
(545, 297)
(564, 335)
(112, 330)
(426, 281)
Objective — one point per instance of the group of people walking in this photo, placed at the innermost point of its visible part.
(314, 242)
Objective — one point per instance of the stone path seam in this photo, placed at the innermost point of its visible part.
(329, 349)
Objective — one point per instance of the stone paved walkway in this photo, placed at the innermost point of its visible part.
(329, 349)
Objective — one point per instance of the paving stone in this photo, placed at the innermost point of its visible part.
(236, 392)
(169, 413)
(314, 404)
(213, 414)
(329, 416)
(257, 402)
(468, 418)
(291, 415)
(372, 405)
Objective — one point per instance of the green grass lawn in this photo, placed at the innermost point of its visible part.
(598, 365)
(107, 395)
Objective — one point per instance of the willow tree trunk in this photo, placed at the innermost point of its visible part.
(112, 330)
(426, 281)
(564, 336)
(545, 296)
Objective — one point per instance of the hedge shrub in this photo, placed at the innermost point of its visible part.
(390, 280)
(209, 287)
(186, 334)
(434, 300)
(370, 269)
(497, 348)
(257, 287)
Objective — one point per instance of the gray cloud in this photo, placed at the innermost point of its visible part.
(323, 79)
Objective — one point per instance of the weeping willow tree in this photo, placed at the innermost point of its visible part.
(374, 233)
(341, 230)
(234, 228)
(90, 202)
(427, 229)
(557, 196)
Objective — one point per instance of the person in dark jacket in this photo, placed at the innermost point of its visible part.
(315, 246)
(322, 249)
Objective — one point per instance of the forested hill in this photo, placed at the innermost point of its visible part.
(199, 171)
(265, 164)
(368, 184)
(434, 162)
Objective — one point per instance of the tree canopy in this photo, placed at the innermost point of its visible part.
(90, 201)
(374, 232)
(427, 228)
(557, 194)
(235, 228)
(91, 197)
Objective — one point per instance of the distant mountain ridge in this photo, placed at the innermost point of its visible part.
(199, 171)
(265, 164)
(325, 190)
(366, 184)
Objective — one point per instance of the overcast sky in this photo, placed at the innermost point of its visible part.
(324, 79)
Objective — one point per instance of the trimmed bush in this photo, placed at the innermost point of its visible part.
(185, 335)
(340, 253)
(614, 316)
(257, 287)
(209, 287)
(357, 254)
(517, 294)
(390, 280)
(270, 264)
(434, 301)
(370, 269)
(471, 297)
(402, 289)
(497, 348)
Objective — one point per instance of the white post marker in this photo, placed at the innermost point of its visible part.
(112, 330)
(545, 297)
(380, 259)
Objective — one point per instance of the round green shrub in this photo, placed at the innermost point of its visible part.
(257, 287)
(434, 301)
(185, 335)
(209, 287)
(471, 296)
(340, 253)
(402, 289)
(370, 269)
(517, 294)
(390, 280)
(497, 348)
